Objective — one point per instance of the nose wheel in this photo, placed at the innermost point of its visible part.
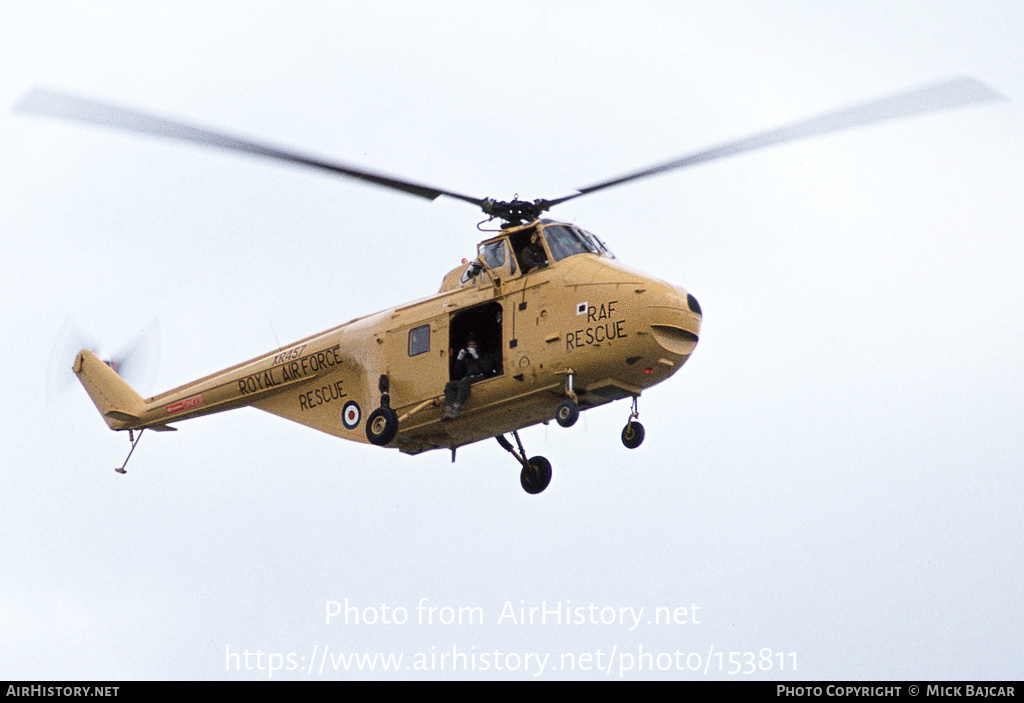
(536, 477)
(568, 411)
(536, 473)
(633, 433)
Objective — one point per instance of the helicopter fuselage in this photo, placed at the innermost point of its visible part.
(572, 322)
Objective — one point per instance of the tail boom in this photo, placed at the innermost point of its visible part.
(242, 385)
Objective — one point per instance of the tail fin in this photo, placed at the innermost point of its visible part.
(121, 407)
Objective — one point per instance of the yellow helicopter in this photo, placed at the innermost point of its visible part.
(542, 323)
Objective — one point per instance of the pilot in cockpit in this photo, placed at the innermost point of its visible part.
(532, 255)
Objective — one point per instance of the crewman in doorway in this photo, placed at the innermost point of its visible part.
(471, 365)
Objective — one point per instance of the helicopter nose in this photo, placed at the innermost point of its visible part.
(674, 317)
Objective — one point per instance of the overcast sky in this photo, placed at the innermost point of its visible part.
(832, 484)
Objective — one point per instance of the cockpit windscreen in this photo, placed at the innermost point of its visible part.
(566, 240)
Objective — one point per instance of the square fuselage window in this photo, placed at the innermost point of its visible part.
(419, 340)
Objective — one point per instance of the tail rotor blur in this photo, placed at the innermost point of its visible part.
(136, 361)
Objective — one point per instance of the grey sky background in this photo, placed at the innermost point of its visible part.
(836, 473)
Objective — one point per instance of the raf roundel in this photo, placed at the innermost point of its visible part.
(350, 415)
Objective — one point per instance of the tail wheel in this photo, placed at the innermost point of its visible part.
(633, 434)
(536, 477)
(567, 413)
(381, 426)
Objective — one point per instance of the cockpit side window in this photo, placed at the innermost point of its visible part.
(493, 254)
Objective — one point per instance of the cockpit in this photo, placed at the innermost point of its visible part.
(528, 245)
(522, 250)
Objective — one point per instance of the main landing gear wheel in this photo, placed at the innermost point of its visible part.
(536, 473)
(633, 434)
(381, 426)
(536, 477)
(567, 413)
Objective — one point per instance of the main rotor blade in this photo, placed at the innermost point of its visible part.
(942, 96)
(54, 104)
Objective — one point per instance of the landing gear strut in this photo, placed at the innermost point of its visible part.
(536, 473)
(633, 433)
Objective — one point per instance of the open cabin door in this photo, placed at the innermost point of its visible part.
(485, 322)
